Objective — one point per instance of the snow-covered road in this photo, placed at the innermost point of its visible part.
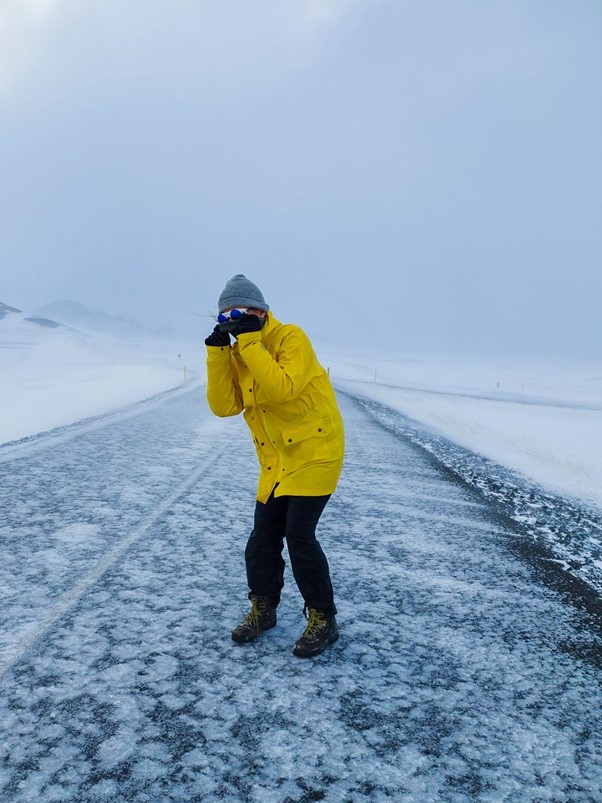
(463, 671)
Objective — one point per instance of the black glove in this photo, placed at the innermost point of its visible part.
(247, 323)
(217, 338)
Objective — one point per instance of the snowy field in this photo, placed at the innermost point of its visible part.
(51, 377)
(541, 418)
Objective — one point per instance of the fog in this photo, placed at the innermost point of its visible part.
(415, 175)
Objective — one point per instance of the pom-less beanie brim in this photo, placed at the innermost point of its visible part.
(241, 292)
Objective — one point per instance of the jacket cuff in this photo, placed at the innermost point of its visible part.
(247, 339)
(218, 352)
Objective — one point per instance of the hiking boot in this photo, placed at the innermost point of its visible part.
(321, 631)
(262, 616)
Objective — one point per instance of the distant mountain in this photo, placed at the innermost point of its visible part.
(18, 314)
(5, 310)
(77, 315)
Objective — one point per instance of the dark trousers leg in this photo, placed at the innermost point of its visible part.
(294, 518)
(263, 554)
(308, 561)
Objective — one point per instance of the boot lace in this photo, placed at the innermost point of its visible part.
(315, 622)
(258, 607)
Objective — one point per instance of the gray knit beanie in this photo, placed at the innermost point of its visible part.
(240, 292)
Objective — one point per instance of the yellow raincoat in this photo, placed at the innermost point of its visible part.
(288, 403)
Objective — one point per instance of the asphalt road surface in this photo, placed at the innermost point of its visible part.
(464, 671)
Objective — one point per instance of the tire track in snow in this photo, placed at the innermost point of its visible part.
(562, 537)
(70, 599)
(60, 435)
(66, 508)
(455, 677)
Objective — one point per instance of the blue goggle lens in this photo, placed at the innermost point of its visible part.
(232, 315)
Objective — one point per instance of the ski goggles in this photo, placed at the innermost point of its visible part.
(232, 315)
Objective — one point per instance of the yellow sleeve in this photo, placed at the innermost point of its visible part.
(223, 390)
(281, 377)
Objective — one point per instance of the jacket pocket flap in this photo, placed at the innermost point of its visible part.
(311, 429)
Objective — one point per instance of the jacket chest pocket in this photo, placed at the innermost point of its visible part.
(305, 443)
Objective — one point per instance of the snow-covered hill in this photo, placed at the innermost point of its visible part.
(28, 324)
(76, 315)
(52, 374)
(541, 418)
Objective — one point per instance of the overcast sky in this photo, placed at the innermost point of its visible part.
(411, 174)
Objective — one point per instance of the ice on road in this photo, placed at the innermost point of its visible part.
(460, 675)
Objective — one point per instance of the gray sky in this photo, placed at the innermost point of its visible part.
(412, 174)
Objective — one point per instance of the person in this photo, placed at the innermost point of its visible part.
(271, 375)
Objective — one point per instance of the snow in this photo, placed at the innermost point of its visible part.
(544, 421)
(50, 378)
(465, 670)
(461, 673)
(541, 418)
(558, 447)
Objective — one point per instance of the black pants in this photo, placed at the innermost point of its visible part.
(294, 518)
